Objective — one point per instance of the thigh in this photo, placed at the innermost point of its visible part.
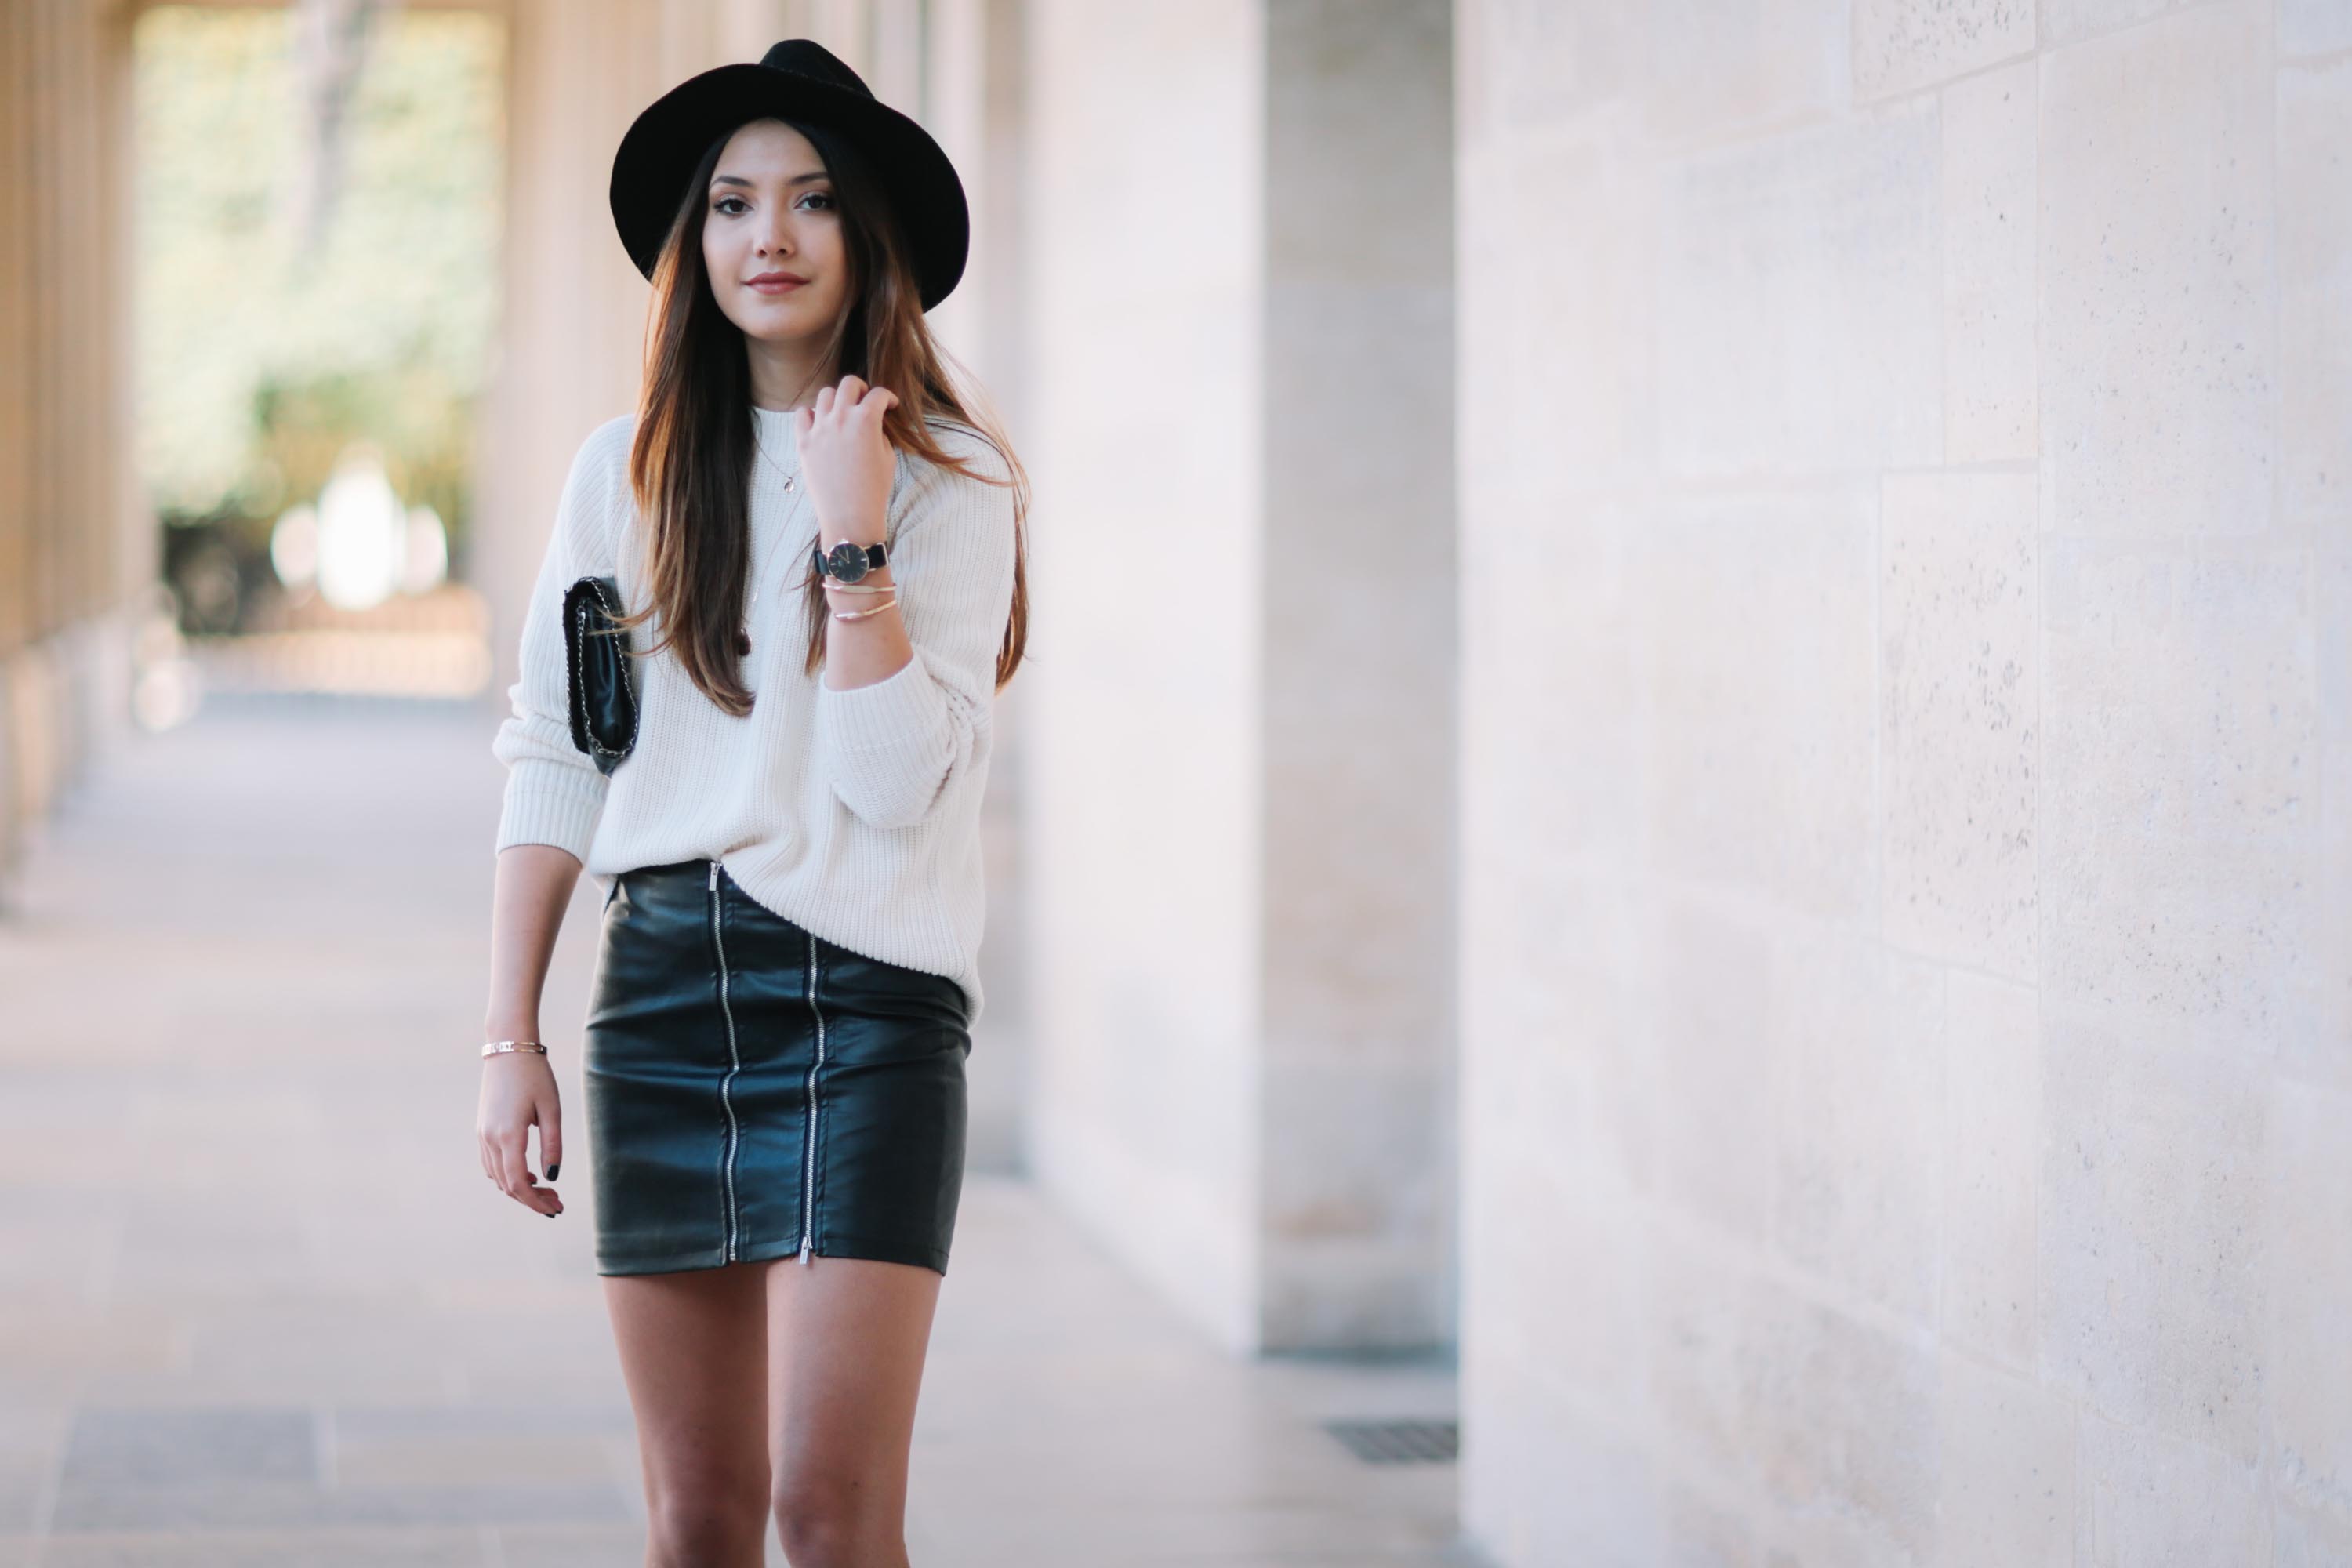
(694, 1353)
(846, 1342)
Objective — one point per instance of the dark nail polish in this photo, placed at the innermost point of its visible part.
(551, 1173)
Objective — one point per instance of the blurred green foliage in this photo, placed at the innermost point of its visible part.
(257, 362)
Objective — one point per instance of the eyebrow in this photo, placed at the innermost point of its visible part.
(739, 179)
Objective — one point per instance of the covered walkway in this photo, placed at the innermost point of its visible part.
(258, 1307)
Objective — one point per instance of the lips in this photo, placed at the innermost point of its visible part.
(777, 282)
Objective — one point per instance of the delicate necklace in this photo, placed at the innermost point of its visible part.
(784, 529)
(791, 481)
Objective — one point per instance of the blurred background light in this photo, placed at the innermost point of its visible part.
(427, 560)
(294, 547)
(363, 535)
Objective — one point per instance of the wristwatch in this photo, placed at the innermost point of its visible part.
(847, 561)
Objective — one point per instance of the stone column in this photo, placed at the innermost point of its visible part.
(75, 537)
(1356, 708)
(569, 356)
(1240, 714)
(966, 88)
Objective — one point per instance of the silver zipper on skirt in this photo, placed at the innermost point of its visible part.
(734, 1062)
(808, 1132)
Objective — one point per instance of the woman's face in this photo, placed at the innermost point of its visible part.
(770, 210)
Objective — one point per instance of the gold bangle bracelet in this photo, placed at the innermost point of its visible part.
(861, 615)
(859, 588)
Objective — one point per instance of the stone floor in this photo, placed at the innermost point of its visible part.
(258, 1308)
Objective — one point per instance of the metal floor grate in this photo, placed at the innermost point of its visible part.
(1399, 1442)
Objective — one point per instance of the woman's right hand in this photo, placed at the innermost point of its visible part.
(518, 1090)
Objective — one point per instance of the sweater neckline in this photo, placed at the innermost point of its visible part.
(776, 423)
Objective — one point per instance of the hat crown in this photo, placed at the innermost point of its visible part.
(806, 56)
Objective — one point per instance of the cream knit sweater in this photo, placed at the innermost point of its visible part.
(854, 813)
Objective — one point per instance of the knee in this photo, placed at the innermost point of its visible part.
(690, 1525)
(835, 1527)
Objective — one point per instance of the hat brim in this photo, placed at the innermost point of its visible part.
(659, 154)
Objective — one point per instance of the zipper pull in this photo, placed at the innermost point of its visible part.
(806, 1256)
(714, 876)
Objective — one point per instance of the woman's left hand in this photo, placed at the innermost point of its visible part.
(847, 460)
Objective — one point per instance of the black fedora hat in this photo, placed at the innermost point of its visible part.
(801, 80)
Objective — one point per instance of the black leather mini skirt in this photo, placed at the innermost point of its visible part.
(755, 1092)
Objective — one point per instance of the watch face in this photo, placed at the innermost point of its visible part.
(846, 560)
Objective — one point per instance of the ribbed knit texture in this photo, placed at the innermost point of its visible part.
(854, 813)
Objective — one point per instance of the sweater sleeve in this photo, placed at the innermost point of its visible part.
(893, 746)
(554, 793)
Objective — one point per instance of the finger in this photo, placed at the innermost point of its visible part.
(853, 387)
(517, 1169)
(551, 1141)
(498, 1173)
(823, 404)
(541, 1198)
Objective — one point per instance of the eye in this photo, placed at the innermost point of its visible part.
(825, 197)
(720, 204)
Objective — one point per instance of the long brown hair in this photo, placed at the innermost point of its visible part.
(690, 464)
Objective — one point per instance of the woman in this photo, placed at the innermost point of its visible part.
(822, 564)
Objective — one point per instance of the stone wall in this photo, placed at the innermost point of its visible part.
(1908, 889)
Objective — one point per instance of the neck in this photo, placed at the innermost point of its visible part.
(784, 375)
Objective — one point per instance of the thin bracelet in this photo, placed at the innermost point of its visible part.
(856, 588)
(494, 1046)
(861, 615)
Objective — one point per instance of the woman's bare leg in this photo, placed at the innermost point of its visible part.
(846, 1338)
(694, 1353)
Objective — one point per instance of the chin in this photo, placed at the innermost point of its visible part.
(764, 321)
(780, 332)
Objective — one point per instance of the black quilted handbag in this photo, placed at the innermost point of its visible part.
(604, 687)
